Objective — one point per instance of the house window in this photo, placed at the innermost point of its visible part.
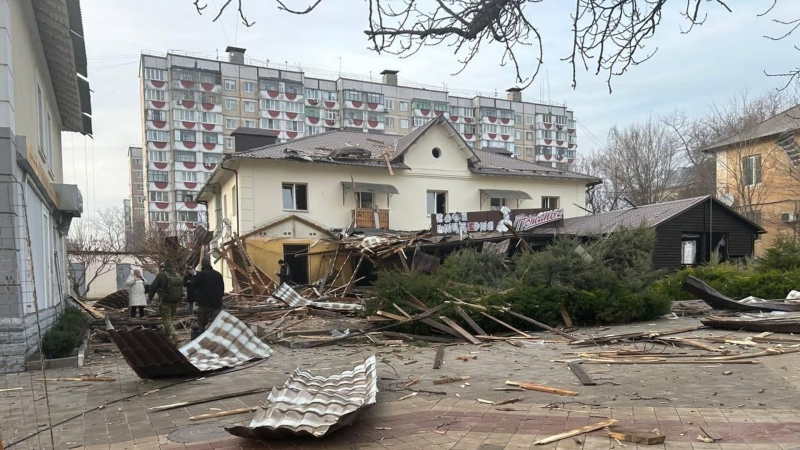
(249, 106)
(186, 156)
(295, 197)
(390, 122)
(229, 142)
(157, 135)
(365, 200)
(230, 104)
(389, 104)
(159, 216)
(250, 124)
(437, 202)
(549, 203)
(249, 86)
(211, 158)
(496, 203)
(751, 166)
(155, 74)
(155, 95)
(404, 123)
(272, 105)
(403, 106)
(419, 121)
(517, 135)
(157, 155)
(215, 118)
(230, 85)
(157, 196)
(230, 124)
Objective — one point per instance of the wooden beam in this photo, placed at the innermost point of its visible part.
(390, 315)
(637, 437)
(575, 432)
(224, 413)
(459, 330)
(584, 377)
(541, 325)
(451, 379)
(474, 325)
(506, 325)
(437, 362)
(565, 316)
(541, 388)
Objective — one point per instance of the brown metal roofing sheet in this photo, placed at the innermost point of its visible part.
(150, 354)
(314, 405)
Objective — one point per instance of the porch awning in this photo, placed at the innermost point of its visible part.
(370, 187)
(502, 193)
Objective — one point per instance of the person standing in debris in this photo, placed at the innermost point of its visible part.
(285, 273)
(169, 286)
(137, 297)
(191, 291)
(210, 288)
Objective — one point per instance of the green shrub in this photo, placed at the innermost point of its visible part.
(734, 280)
(468, 266)
(66, 335)
(783, 255)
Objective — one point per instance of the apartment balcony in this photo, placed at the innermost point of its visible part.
(186, 145)
(469, 137)
(456, 119)
(190, 166)
(157, 145)
(212, 127)
(328, 104)
(156, 125)
(354, 104)
(210, 87)
(427, 113)
(185, 125)
(158, 185)
(185, 104)
(185, 84)
(155, 84)
(157, 165)
(270, 114)
(544, 125)
(159, 206)
(212, 146)
(211, 107)
(355, 123)
(376, 107)
(371, 218)
(375, 125)
(545, 141)
(289, 135)
(497, 121)
(497, 137)
(156, 104)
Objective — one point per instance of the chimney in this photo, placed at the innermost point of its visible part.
(390, 77)
(514, 94)
(235, 54)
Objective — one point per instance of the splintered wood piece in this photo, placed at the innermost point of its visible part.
(541, 325)
(105, 379)
(437, 362)
(474, 325)
(466, 358)
(508, 401)
(224, 413)
(565, 316)
(390, 316)
(412, 382)
(584, 377)
(11, 389)
(451, 379)
(696, 344)
(506, 325)
(413, 394)
(459, 330)
(408, 316)
(637, 437)
(488, 402)
(541, 388)
(575, 432)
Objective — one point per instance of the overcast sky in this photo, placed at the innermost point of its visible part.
(726, 56)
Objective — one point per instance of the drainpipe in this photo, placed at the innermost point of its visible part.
(236, 174)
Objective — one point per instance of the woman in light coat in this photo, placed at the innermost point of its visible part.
(136, 294)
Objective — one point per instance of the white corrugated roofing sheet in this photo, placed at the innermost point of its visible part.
(286, 294)
(227, 342)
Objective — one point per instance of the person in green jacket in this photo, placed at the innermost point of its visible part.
(169, 286)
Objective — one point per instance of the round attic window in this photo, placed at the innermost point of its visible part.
(436, 152)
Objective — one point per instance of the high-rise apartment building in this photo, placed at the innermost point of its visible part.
(191, 105)
(136, 207)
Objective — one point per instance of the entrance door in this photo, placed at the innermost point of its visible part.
(296, 256)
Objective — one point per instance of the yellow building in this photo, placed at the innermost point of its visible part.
(758, 173)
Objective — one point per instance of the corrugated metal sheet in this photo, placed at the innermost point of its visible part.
(314, 405)
(228, 342)
(286, 294)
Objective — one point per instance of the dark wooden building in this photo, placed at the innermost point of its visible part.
(688, 231)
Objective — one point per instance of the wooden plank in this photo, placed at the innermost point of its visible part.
(707, 361)
(352, 278)
(637, 437)
(584, 377)
(437, 362)
(506, 325)
(541, 388)
(575, 432)
(541, 325)
(224, 413)
(208, 399)
(767, 352)
(474, 325)
(693, 343)
(466, 358)
(443, 328)
(103, 379)
(408, 316)
(390, 315)
(459, 330)
(508, 401)
(416, 337)
(451, 379)
(565, 316)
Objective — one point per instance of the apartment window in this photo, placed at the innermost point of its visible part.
(365, 200)
(157, 176)
(269, 85)
(230, 85)
(545, 150)
(270, 124)
(211, 138)
(159, 216)
(437, 202)
(561, 120)
(229, 142)
(231, 124)
(137, 162)
(486, 128)
(269, 104)
(441, 106)
(183, 175)
(419, 121)
(179, 94)
(295, 197)
(250, 124)
(332, 114)
(420, 104)
(517, 135)
(139, 198)
(138, 213)
(158, 196)
(311, 112)
(249, 86)
(157, 135)
(312, 94)
(529, 135)
(404, 124)
(545, 134)
(403, 106)
(234, 200)
(751, 166)
(188, 216)
(469, 129)
(561, 135)
(529, 120)
(330, 96)
(389, 104)
(550, 202)
(185, 156)
(184, 115)
(293, 107)
(184, 196)
(293, 125)
(185, 136)
(505, 113)
(529, 151)
(505, 129)
(517, 118)
(390, 122)
(293, 88)
(211, 158)
(353, 96)
(138, 174)
(496, 203)
(374, 98)
(311, 131)
(209, 78)
(230, 104)
(155, 74)
(215, 118)
(157, 155)
(155, 95)
(249, 106)
(159, 116)
(469, 112)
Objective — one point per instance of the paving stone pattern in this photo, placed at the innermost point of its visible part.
(752, 408)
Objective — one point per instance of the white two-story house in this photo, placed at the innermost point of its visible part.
(287, 197)
(43, 91)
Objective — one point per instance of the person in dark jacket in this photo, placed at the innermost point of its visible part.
(191, 292)
(210, 288)
(285, 273)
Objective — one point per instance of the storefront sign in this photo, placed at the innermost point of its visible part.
(490, 221)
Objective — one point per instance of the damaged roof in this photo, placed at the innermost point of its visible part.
(313, 405)
(788, 120)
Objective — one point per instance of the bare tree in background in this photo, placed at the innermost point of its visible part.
(152, 246)
(97, 244)
(608, 36)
